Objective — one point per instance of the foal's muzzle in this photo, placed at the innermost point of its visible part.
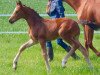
(10, 21)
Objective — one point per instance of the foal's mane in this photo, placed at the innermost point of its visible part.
(32, 12)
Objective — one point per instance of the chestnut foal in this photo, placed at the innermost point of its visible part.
(42, 30)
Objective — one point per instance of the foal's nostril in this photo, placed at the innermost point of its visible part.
(10, 21)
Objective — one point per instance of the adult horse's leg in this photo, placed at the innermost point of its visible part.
(21, 49)
(44, 53)
(89, 38)
(86, 44)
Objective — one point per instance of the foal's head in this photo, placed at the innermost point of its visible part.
(22, 11)
(17, 13)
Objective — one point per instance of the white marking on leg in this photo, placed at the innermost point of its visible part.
(15, 61)
(21, 49)
(89, 63)
(47, 65)
(67, 56)
(63, 62)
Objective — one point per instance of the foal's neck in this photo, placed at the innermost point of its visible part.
(32, 17)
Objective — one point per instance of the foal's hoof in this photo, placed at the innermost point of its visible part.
(49, 59)
(14, 66)
(63, 63)
(91, 67)
(98, 54)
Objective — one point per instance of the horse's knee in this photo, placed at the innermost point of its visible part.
(90, 44)
(76, 46)
(44, 54)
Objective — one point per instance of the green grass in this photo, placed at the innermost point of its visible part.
(32, 63)
(5, 26)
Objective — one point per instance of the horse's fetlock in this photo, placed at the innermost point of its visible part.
(44, 54)
(64, 63)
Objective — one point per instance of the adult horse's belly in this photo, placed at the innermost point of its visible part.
(91, 13)
(96, 13)
(84, 12)
(97, 1)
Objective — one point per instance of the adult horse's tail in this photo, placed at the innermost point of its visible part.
(91, 24)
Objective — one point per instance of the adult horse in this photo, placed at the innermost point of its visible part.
(42, 30)
(87, 10)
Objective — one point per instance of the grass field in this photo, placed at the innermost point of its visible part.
(31, 61)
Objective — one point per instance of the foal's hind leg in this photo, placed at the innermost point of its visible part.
(67, 56)
(85, 53)
(73, 48)
(22, 48)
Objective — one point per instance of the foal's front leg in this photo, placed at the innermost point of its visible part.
(44, 53)
(21, 49)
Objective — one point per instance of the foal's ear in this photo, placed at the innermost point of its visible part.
(19, 3)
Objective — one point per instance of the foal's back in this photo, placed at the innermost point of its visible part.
(56, 27)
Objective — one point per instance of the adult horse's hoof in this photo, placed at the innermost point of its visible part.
(98, 54)
(14, 65)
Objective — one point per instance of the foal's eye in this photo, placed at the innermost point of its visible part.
(16, 11)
